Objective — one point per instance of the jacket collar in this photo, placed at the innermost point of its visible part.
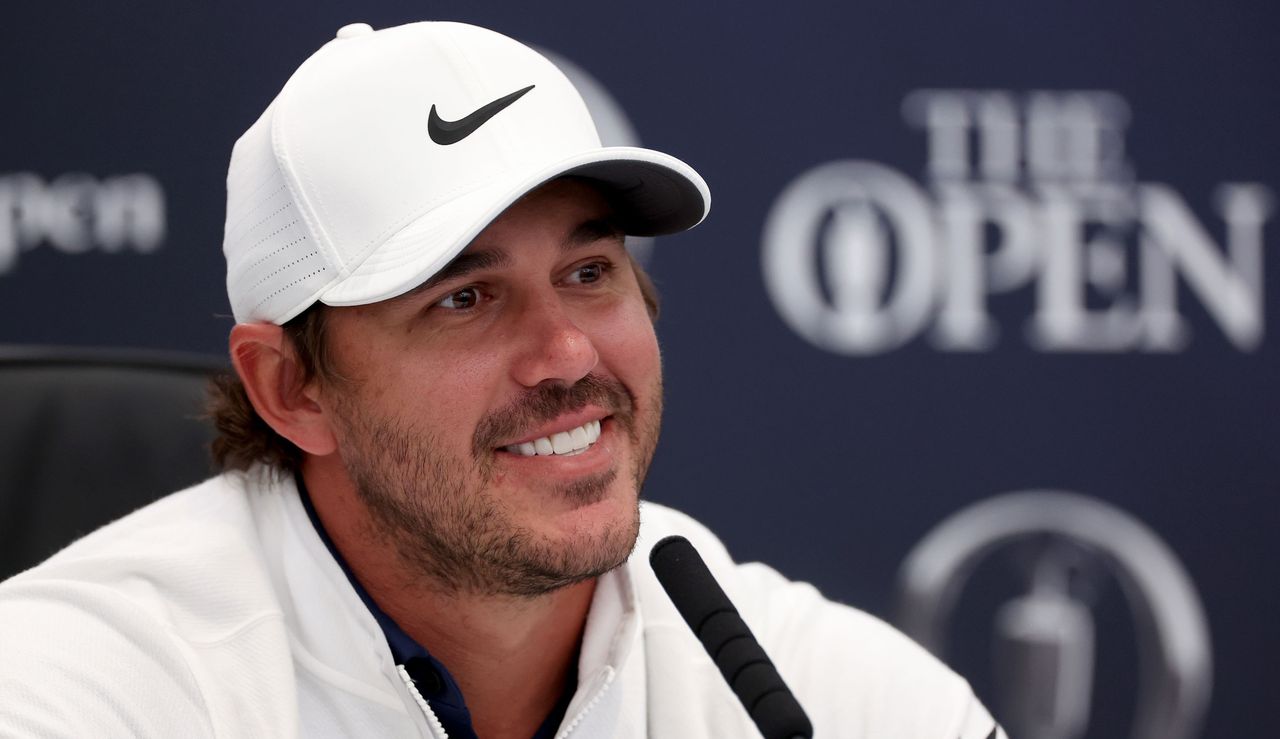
(331, 625)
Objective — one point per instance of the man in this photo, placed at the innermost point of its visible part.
(448, 392)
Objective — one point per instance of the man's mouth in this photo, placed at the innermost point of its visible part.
(563, 443)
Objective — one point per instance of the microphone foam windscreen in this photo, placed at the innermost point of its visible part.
(732, 647)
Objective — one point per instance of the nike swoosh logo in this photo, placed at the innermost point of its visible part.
(451, 132)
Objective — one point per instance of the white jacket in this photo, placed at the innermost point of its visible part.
(218, 612)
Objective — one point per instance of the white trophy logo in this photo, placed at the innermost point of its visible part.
(1044, 655)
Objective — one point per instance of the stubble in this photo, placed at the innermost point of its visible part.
(436, 510)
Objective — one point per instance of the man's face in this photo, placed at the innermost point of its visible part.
(498, 420)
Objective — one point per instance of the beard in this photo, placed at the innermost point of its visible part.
(437, 512)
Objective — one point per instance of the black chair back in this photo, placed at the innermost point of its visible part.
(87, 436)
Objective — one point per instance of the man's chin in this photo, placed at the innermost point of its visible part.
(587, 548)
(609, 517)
(592, 490)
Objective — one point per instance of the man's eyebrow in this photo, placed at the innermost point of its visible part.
(589, 232)
(463, 265)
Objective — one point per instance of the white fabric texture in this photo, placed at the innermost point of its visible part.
(218, 612)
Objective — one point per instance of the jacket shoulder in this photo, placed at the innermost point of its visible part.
(130, 630)
(192, 559)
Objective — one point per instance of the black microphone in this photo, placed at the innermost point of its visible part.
(732, 646)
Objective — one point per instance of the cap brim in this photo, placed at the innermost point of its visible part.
(653, 194)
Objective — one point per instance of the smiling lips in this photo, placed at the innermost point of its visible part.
(563, 443)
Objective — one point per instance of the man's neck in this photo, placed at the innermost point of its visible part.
(510, 656)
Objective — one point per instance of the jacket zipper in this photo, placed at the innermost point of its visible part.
(437, 728)
(569, 728)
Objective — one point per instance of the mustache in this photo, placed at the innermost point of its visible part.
(546, 402)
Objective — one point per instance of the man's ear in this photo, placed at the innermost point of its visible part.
(272, 376)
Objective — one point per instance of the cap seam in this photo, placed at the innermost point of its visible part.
(320, 236)
(305, 208)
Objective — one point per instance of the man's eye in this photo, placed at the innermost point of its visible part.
(588, 273)
(467, 297)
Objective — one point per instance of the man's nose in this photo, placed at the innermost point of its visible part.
(554, 347)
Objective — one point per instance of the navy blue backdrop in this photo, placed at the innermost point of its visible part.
(956, 250)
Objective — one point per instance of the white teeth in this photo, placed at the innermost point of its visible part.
(564, 443)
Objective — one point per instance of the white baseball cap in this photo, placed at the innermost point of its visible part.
(388, 151)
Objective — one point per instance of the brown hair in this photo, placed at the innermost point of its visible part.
(245, 439)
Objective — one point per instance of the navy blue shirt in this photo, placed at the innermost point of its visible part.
(430, 676)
